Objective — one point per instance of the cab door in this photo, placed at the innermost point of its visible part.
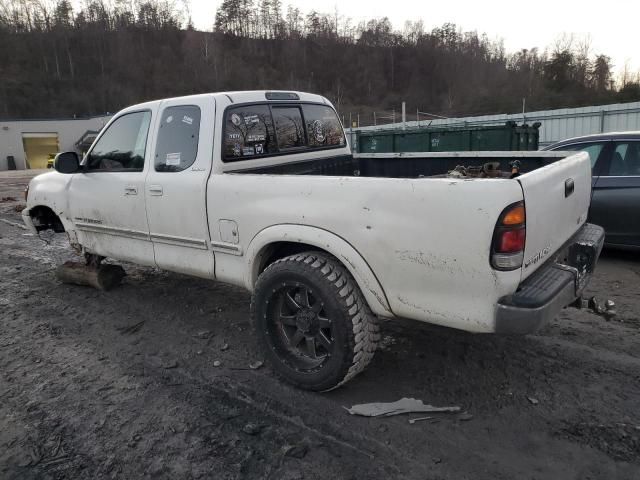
(106, 199)
(176, 186)
(616, 199)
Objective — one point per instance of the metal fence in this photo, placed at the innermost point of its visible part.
(555, 124)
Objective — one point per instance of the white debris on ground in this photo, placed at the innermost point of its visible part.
(405, 405)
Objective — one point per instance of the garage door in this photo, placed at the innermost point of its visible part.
(38, 147)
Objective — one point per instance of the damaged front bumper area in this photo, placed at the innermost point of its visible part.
(553, 286)
(28, 221)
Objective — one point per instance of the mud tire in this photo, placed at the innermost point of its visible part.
(354, 331)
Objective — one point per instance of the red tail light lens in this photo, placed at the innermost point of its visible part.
(509, 237)
(511, 241)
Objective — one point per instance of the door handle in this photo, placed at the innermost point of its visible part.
(130, 190)
(155, 190)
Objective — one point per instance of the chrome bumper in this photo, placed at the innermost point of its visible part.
(553, 286)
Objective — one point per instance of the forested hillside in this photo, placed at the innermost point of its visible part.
(57, 61)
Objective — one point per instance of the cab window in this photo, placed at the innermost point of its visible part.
(122, 147)
(177, 145)
(289, 127)
(248, 133)
(323, 127)
(255, 131)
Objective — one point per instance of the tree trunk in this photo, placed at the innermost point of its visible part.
(55, 53)
(104, 277)
(71, 69)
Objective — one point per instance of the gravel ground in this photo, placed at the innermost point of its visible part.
(127, 384)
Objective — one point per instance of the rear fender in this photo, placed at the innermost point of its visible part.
(323, 240)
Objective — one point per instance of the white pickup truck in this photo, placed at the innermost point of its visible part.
(261, 190)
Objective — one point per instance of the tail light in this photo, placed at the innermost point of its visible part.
(507, 248)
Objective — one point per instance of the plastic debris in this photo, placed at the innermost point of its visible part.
(256, 365)
(419, 419)
(606, 309)
(402, 406)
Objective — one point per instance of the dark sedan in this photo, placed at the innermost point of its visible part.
(615, 199)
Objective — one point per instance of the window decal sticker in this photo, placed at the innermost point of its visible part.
(318, 131)
(173, 158)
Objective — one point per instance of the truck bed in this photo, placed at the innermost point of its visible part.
(427, 238)
(405, 165)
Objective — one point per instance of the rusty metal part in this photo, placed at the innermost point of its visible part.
(515, 168)
(458, 172)
(605, 309)
(487, 170)
(492, 169)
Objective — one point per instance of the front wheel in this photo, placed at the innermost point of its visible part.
(313, 324)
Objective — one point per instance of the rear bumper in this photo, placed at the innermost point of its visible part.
(553, 286)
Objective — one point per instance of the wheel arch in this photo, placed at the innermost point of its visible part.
(279, 241)
(43, 218)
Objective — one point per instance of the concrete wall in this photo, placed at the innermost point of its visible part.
(68, 131)
(556, 124)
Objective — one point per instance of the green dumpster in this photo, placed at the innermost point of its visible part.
(506, 137)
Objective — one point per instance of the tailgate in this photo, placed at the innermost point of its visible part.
(557, 198)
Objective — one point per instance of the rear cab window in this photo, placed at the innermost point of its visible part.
(248, 133)
(289, 127)
(267, 129)
(323, 127)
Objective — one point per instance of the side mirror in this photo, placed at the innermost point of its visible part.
(67, 162)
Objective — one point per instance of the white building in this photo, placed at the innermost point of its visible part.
(29, 143)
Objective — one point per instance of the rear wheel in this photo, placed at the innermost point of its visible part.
(313, 324)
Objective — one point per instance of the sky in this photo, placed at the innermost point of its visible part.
(613, 26)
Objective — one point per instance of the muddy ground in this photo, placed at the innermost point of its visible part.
(123, 385)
